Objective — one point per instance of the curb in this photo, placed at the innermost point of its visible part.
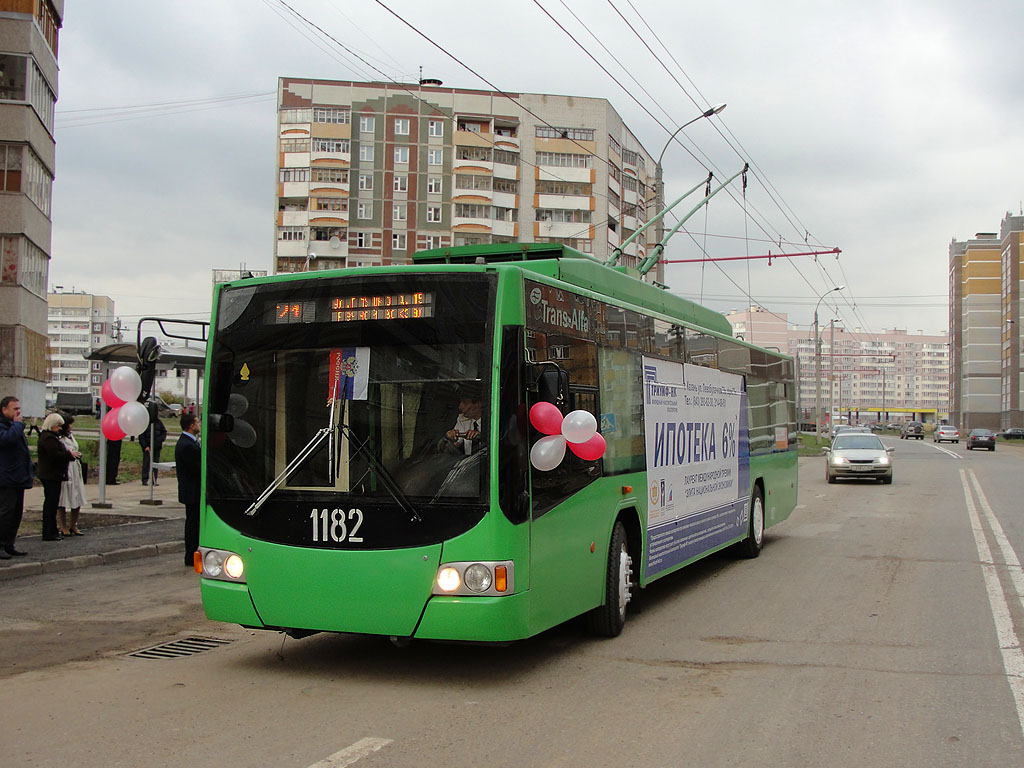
(63, 564)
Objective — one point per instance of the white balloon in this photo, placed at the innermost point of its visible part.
(126, 383)
(579, 426)
(133, 418)
(237, 405)
(242, 435)
(548, 452)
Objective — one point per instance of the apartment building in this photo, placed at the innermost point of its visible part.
(985, 318)
(368, 173)
(889, 376)
(77, 324)
(28, 95)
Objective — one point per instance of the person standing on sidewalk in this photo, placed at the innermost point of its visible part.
(152, 452)
(189, 468)
(53, 471)
(16, 473)
(72, 490)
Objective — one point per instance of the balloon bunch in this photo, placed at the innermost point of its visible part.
(126, 416)
(577, 430)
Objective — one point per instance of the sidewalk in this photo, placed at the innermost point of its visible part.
(126, 531)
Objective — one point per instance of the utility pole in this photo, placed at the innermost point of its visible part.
(831, 368)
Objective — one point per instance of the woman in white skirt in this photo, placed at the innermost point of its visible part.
(72, 490)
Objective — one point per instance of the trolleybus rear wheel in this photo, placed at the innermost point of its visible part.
(751, 546)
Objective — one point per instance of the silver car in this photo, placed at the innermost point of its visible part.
(858, 455)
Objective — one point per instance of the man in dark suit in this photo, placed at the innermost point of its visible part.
(187, 464)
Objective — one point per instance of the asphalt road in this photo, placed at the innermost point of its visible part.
(870, 632)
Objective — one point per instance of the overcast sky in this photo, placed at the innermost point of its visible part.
(881, 127)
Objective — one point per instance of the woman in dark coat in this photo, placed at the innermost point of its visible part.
(52, 469)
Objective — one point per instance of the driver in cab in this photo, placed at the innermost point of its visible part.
(461, 437)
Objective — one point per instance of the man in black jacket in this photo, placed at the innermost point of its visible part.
(16, 473)
(187, 463)
(152, 452)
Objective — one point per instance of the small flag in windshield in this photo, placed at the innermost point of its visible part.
(350, 374)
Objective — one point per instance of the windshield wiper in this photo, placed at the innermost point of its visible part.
(385, 476)
(278, 481)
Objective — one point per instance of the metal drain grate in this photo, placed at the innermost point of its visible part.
(189, 646)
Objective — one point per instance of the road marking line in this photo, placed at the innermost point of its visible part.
(352, 753)
(1009, 556)
(946, 451)
(1009, 645)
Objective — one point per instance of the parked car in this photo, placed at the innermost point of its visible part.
(952, 434)
(912, 429)
(858, 455)
(876, 427)
(1013, 433)
(893, 425)
(981, 438)
(165, 410)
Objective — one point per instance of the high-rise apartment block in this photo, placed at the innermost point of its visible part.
(78, 324)
(985, 319)
(369, 173)
(28, 95)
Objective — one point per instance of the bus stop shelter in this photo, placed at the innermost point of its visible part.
(188, 358)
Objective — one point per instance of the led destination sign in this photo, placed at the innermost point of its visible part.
(346, 309)
(391, 306)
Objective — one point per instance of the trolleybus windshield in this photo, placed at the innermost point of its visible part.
(364, 400)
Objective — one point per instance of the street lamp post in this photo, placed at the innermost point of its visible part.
(660, 194)
(817, 364)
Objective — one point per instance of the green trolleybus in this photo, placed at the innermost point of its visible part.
(381, 451)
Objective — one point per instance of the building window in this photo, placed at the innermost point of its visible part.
(510, 186)
(291, 233)
(401, 126)
(553, 187)
(331, 145)
(576, 134)
(398, 212)
(401, 155)
(434, 214)
(435, 157)
(507, 158)
(472, 181)
(293, 174)
(565, 159)
(22, 171)
(366, 152)
(398, 242)
(435, 128)
(289, 116)
(23, 263)
(365, 210)
(401, 182)
(331, 115)
(295, 145)
(366, 123)
(483, 154)
(362, 239)
(434, 185)
(366, 181)
(331, 204)
(330, 175)
(431, 241)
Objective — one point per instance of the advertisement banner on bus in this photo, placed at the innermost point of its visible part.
(697, 460)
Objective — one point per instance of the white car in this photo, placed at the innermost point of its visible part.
(946, 432)
(856, 455)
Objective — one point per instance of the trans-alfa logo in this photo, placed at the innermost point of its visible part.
(536, 296)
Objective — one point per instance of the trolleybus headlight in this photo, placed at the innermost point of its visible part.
(222, 565)
(233, 566)
(213, 564)
(478, 577)
(448, 579)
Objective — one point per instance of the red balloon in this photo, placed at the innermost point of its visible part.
(546, 418)
(107, 392)
(110, 428)
(592, 450)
